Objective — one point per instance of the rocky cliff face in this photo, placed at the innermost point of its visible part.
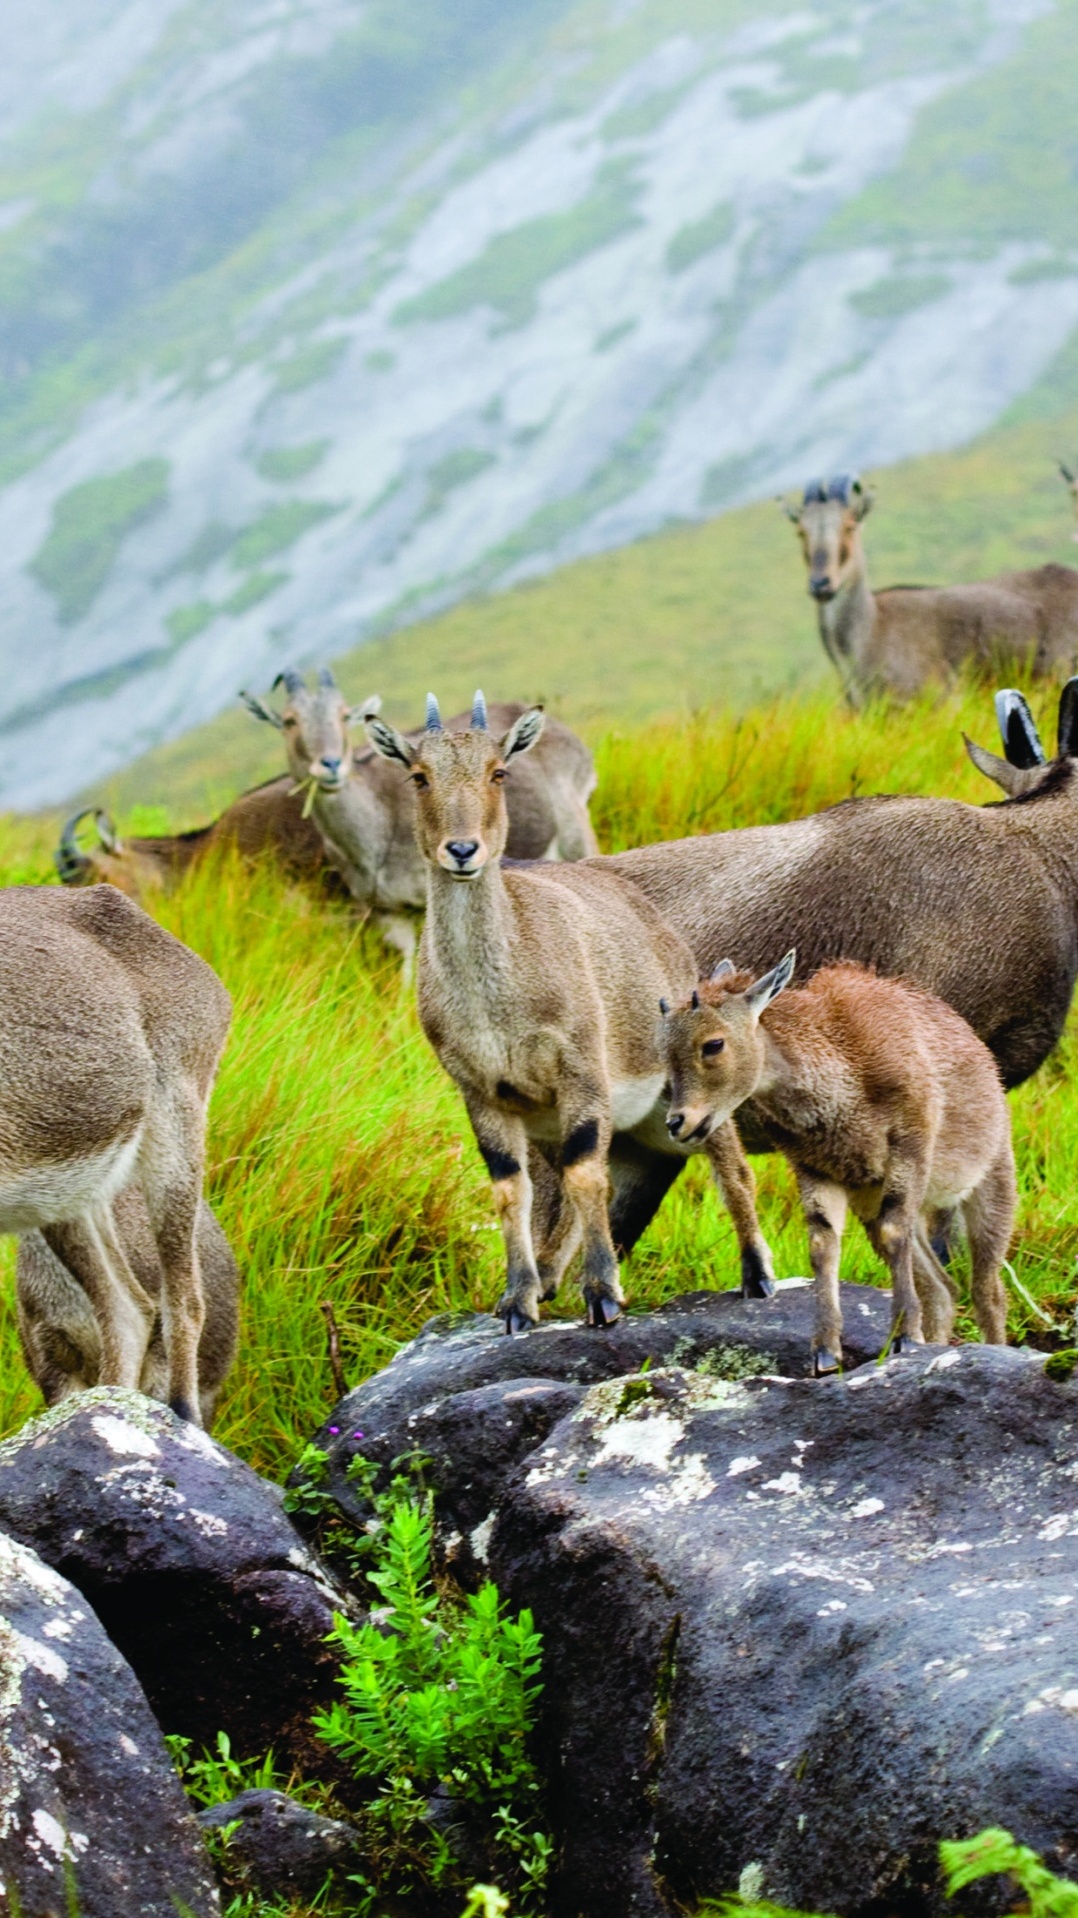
(313, 320)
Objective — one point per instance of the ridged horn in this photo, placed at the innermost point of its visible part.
(815, 493)
(290, 680)
(325, 678)
(434, 717)
(479, 714)
(1021, 740)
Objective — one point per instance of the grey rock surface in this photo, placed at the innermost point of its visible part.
(476, 1403)
(189, 1561)
(808, 1626)
(87, 1789)
(281, 1847)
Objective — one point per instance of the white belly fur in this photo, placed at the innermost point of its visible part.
(50, 1193)
(633, 1099)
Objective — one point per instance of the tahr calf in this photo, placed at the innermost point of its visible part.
(537, 989)
(884, 1102)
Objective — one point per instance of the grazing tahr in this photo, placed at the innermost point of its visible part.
(537, 989)
(365, 814)
(59, 1330)
(978, 904)
(897, 640)
(885, 1104)
(268, 819)
(108, 1047)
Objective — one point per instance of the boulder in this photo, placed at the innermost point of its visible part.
(807, 1627)
(190, 1563)
(279, 1847)
(476, 1403)
(88, 1794)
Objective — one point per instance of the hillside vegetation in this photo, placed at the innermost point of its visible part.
(341, 1162)
(697, 617)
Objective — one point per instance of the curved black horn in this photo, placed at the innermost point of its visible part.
(325, 677)
(479, 714)
(290, 680)
(434, 717)
(1021, 740)
(69, 859)
(1068, 720)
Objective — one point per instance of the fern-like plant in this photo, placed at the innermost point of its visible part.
(438, 1699)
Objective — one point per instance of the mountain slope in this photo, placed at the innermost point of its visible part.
(319, 317)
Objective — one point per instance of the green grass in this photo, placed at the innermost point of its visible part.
(252, 591)
(312, 364)
(89, 525)
(890, 299)
(285, 463)
(278, 528)
(691, 242)
(340, 1160)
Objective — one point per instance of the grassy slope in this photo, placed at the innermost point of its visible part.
(698, 616)
(341, 1162)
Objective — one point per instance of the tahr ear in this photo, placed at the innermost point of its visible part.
(1068, 720)
(772, 983)
(524, 733)
(261, 711)
(1021, 740)
(390, 743)
(723, 970)
(366, 711)
(862, 499)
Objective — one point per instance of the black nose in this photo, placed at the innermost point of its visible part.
(674, 1123)
(820, 588)
(330, 765)
(462, 849)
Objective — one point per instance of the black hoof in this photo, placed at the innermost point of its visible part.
(517, 1322)
(183, 1410)
(603, 1311)
(904, 1344)
(756, 1281)
(825, 1364)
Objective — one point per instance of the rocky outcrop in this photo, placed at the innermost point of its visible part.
(190, 1563)
(805, 1627)
(88, 1795)
(279, 1847)
(476, 1403)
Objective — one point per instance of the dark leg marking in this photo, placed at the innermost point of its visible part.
(581, 1143)
(500, 1165)
(755, 1283)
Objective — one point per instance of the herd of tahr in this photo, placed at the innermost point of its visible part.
(604, 1018)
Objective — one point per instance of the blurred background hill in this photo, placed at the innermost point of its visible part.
(318, 317)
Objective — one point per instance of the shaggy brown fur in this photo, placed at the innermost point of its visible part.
(897, 640)
(108, 1047)
(883, 1101)
(268, 819)
(58, 1328)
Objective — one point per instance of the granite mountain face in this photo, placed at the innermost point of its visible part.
(314, 319)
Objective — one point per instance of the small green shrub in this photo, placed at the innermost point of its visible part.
(256, 587)
(89, 525)
(186, 622)
(993, 1853)
(690, 243)
(291, 462)
(890, 299)
(438, 1701)
(311, 364)
(278, 528)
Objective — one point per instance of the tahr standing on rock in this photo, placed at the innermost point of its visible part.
(883, 1101)
(537, 989)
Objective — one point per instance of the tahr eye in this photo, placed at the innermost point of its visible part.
(420, 781)
(498, 773)
(711, 1048)
(290, 722)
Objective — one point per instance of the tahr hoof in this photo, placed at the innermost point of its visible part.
(756, 1280)
(825, 1364)
(184, 1410)
(603, 1311)
(904, 1344)
(517, 1321)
